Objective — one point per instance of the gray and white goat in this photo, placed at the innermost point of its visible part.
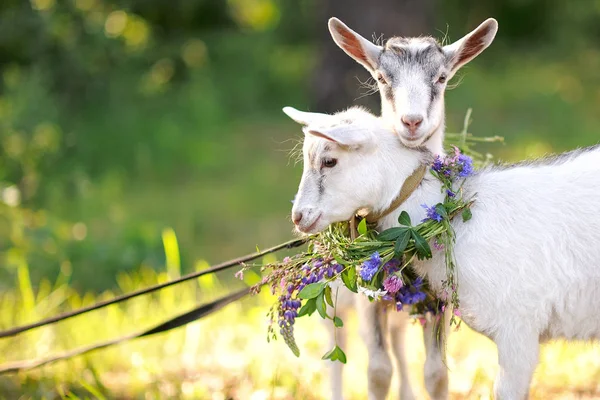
(532, 246)
(412, 74)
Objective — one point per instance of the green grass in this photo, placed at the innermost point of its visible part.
(226, 355)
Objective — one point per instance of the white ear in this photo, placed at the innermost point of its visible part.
(306, 118)
(464, 50)
(356, 46)
(345, 135)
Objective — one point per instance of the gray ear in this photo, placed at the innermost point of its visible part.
(356, 46)
(464, 50)
(306, 118)
(345, 135)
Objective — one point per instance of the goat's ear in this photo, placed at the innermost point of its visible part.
(464, 50)
(305, 118)
(345, 135)
(356, 46)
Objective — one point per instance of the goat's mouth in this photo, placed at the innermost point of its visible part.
(409, 137)
(310, 228)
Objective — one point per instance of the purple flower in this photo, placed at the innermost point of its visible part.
(450, 193)
(465, 164)
(411, 294)
(392, 284)
(453, 166)
(438, 164)
(370, 267)
(431, 214)
(288, 311)
(392, 266)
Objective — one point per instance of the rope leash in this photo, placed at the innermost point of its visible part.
(176, 322)
(219, 267)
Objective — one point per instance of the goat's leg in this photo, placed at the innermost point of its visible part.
(398, 322)
(373, 323)
(518, 352)
(435, 370)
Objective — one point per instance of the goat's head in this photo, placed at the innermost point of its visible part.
(351, 161)
(412, 74)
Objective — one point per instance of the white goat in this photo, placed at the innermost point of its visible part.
(411, 74)
(375, 322)
(528, 262)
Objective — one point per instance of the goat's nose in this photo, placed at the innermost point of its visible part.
(412, 121)
(296, 217)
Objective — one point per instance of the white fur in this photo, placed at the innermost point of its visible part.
(529, 259)
(413, 82)
(435, 372)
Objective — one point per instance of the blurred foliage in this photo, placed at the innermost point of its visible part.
(119, 118)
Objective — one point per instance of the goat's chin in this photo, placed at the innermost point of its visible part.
(411, 141)
(317, 226)
(417, 139)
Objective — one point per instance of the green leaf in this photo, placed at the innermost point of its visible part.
(331, 353)
(391, 234)
(404, 218)
(337, 321)
(362, 227)
(308, 308)
(341, 355)
(321, 306)
(349, 279)
(466, 214)
(402, 242)
(328, 297)
(423, 249)
(441, 210)
(312, 290)
(340, 260)
(335, 354)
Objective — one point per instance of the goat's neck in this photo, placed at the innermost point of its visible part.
(429, 192)
(435, 144)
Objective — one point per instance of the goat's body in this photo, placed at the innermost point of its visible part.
(528, 262)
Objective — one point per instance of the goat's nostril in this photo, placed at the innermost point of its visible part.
(296, 217)
(411, 121)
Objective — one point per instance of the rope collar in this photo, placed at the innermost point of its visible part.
(408, 188)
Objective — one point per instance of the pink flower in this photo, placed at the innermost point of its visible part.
(422, 321)
(286, 260)
(392, 284)
(457, 312)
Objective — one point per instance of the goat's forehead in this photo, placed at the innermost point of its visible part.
(315, 148)
(402, 54)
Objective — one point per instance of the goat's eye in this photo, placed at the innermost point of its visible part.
(442, 78)
(328, 162)
(381, 79)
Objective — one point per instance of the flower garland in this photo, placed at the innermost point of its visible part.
(374, 264)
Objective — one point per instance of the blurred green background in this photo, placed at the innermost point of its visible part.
(121, 120)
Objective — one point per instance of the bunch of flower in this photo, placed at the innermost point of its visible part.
(374, 264)
(287, 280)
